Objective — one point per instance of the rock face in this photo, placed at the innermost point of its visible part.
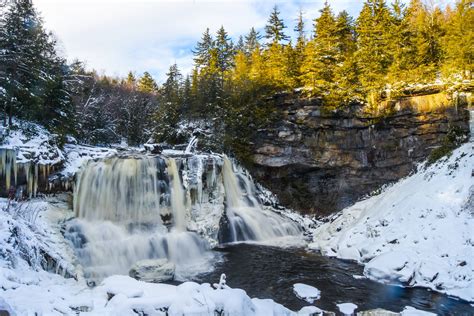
(154, 270)
(319, 161)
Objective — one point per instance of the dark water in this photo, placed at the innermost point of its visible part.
(269, 272)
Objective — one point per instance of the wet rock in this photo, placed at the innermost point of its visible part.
(320, 161)
(153, 270)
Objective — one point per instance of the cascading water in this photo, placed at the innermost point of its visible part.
(177, 197)
(123, 207)
(136, 208)
(247, 219)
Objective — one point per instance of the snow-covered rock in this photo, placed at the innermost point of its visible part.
(153, 270)
(418, 232)
(411, 311)
(306, 292)
(347, 308)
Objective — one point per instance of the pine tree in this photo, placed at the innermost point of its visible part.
(224, 50)
(274, 28)
(321, 55)
(298, 52)
(172, 86)
(31, 72)
(147, 84)
(202, 52)
(131, 81)
(346, 72)
(373, 55)
(458, 44)
(251, 41)
(240, 46)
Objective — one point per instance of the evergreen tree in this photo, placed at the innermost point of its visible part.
(131, 81)
(240, 46)
(298, 54)
(147, 83)
(321, 56)
(459, 40)
(373, 54)
(274, 28)
(168, 114)
(224, 50)
(251, 41)
(202, 52)
(31, 72)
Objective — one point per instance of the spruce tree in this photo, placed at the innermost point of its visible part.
(274, 28)
(224, 50)
(298, 52)
(251, 41)
(147, 84)
(321, 56)
(458, 44)
(131, 81)
(202, 52)
(373, 55)
(31, 72)
(240, 46)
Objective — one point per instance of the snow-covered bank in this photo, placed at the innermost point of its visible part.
(418, 232)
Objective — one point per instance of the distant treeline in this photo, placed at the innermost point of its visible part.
(342, 59)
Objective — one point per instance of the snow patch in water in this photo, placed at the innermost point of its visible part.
(306, 292)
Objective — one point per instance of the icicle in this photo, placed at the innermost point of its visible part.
(35, 181)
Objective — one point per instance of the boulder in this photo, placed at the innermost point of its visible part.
(153, 270)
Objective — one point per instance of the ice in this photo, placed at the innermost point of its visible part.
(306, 292)
(347, 308)
(411, 311)
(310, 311)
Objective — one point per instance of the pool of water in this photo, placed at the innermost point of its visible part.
(270, 272)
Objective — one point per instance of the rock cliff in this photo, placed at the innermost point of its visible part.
(319, 161)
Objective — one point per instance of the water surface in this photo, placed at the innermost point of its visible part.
(270, 272)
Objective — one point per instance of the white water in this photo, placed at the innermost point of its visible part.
(131, 209)
(247, 219)
(192, 143)
(120, 203)
(177, 196)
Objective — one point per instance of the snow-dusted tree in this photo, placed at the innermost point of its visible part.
(31, 73)
(202, 52)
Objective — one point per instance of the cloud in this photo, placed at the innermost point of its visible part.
(115, 36)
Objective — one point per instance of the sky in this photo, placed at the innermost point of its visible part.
(118, 36)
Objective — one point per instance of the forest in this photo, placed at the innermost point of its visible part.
(339, 58)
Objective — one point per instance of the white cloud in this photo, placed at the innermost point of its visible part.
(116, 36)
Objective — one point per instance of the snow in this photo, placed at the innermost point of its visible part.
(32, 143)
(76, 155)
(417, 232)
(27, 289)
(306, 292)
(411, 311)
(310, 311)
(347, 308)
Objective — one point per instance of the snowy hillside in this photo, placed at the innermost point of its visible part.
(418, 232)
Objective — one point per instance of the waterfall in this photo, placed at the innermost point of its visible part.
(120, 190)
(177, 197)
(144, 207)
(192, 143)
(247, 219)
